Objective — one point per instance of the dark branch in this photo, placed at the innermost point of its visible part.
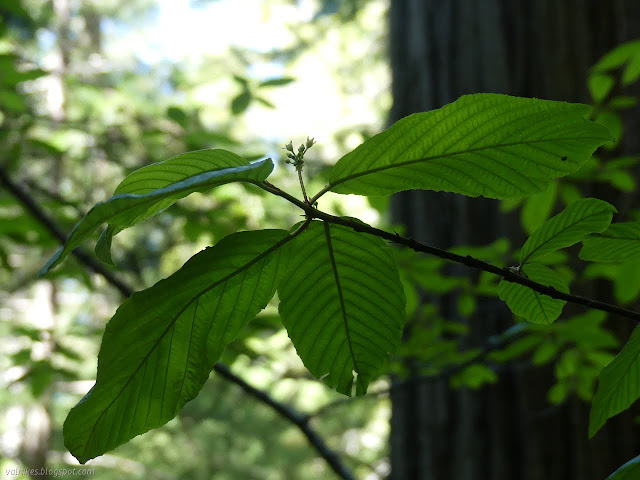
(298, 419)
(295, 417)
(20, 193)
(467, 260)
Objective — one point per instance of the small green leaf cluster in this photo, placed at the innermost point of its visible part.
(251, 91)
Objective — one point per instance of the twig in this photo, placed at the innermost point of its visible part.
(467, 260)
(295, 417)
(20, 193)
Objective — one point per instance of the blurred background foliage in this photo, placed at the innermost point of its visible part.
(91, 90)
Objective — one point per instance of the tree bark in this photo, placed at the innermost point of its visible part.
(440, 50)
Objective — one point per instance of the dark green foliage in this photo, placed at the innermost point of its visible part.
(342, 300)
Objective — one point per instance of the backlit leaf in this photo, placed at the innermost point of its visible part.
(619, 243)
(153, 188)
(619, 384)
(161, 344)
(342, 304)
(570, 226)
(485, 144)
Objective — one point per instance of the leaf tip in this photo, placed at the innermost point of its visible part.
(51, 263)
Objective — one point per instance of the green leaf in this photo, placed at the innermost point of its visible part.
(486, 144)
(342, 304)
(474, 376)
(153, 188)
(619, 384)
(612, 121)
(161, 344)
(178, 115)
(276, 82)
(600, 84)
(632, 71)
(619, 243)
(628, 471)
(103, 245)
(537, 208)
(625, 277)
(618, 56)
(570, 226)
(265, 102)
(241, 102)
(533, 306)
(622, 101)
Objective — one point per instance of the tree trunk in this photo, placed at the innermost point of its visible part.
(440, 50)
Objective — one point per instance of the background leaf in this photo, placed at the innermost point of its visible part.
(160, 346)
(342, 304)
(485, 144)
(276, 82)
(241, 102)
(579, 219)
(619, 384)
(537, 208)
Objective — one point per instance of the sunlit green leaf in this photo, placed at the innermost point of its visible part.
(161, 344)
(533, 306)
(632, 72)
(600, 84)
(474, 376)
(625, 277)
(619, 384)
(537, 208)
(619, 243)
(241, 102)
(276, 82)
(153, 188)
(485, 144)
(622, 101)
(613, 122)
(618, 56)
(342, 304)
(570, 226)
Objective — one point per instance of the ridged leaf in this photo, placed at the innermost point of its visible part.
(628, 471)
(486, 144)
(575, 222)
(619, 243)
(161, 344)
(342, 304)
(619, 384)
(533, 306)
(160, 175)
(153, 188)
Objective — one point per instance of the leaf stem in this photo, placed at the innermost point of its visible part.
(504, 272)
(304, 192)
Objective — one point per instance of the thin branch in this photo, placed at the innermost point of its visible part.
(298, 419)
(295, 417)
(53, 196)
(23, 196)
(467, 260)
(304, 192)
